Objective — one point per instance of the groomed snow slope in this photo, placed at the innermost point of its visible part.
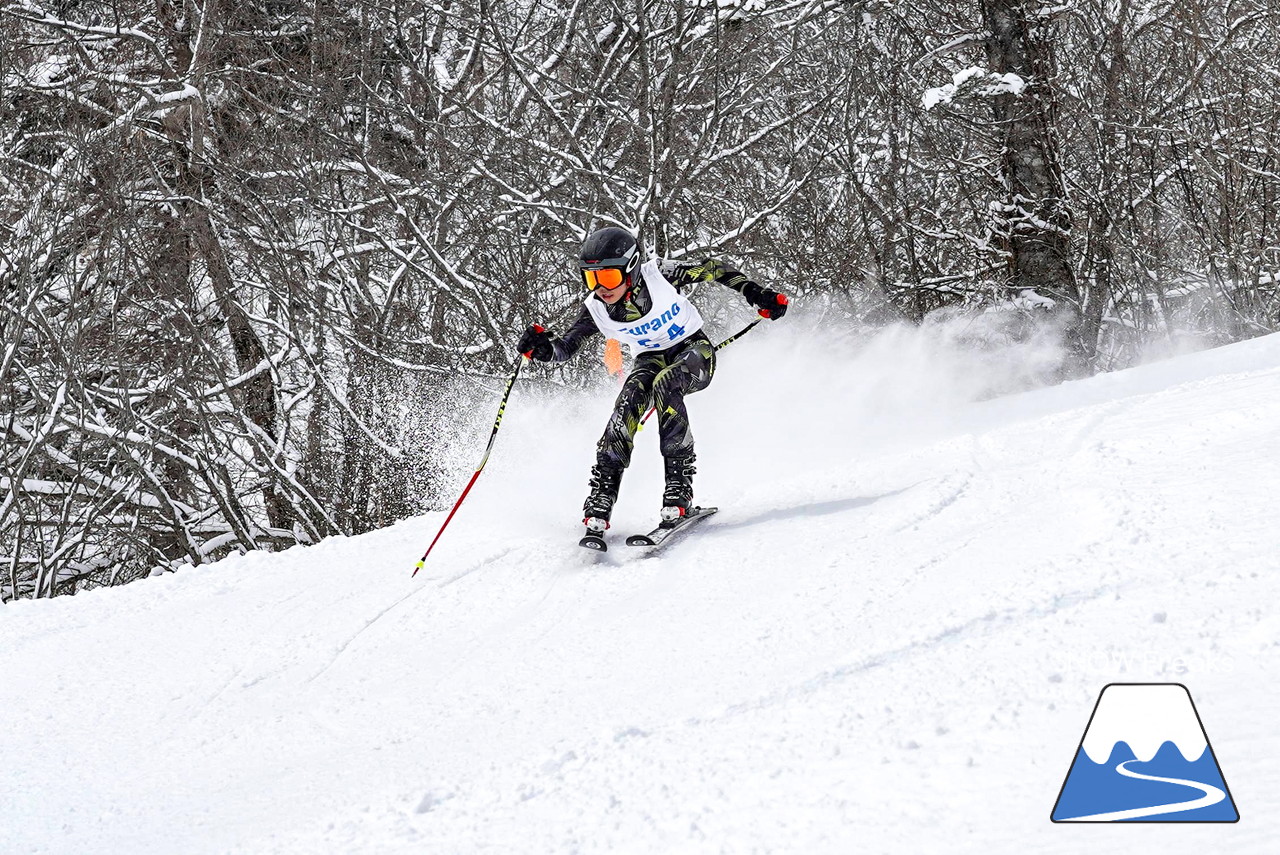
(889, 640)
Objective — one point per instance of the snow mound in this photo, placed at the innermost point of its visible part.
(889, 638)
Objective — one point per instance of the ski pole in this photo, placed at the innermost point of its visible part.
(497, 423)
(739, 334)
(728, 341)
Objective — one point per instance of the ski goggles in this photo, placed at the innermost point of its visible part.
(608, 272)
(604, 277)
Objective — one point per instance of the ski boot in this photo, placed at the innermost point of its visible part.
(596, 510)
(677, 498)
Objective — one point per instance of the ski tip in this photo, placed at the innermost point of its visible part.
(593, 543)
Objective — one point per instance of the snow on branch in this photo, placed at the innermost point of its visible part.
(974, 82)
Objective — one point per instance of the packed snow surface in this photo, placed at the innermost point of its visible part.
(890, 638)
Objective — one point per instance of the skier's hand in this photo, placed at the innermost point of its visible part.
(772, 305)
(536, 344)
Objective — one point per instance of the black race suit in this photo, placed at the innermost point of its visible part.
(661, 377)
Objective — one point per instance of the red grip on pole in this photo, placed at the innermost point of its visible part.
(528, 354)
(781, 300)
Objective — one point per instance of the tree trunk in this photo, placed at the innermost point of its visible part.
(1036, 218)
(257, 396)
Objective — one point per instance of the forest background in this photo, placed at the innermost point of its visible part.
(258, 257)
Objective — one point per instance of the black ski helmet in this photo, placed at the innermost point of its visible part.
(609, 247)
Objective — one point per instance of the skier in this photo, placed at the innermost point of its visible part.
(644, 306)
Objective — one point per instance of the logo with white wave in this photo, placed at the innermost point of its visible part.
(1145, 757)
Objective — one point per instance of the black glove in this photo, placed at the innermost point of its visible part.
(536, 344)
(772, 305)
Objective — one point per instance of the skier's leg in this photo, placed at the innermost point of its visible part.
(613, 451)
(615, 445)
(689, 371)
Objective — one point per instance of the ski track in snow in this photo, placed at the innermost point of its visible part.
(890, 641)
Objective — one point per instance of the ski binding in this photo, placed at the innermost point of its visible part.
(594, 538)
(668, 528)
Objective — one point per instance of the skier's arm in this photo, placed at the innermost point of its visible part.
(545, 346)
(582, 328)
(713, 270)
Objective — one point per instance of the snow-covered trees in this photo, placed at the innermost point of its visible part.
(248, 249)
(1164, 133)
(1035, 220)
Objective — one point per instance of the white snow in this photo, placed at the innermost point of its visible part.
(974, 80)
(186, 93)
(890, 639)
(48, 70)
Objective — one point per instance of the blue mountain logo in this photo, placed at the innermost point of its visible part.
(1145, 757)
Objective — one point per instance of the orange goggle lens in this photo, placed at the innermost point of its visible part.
(609, 277)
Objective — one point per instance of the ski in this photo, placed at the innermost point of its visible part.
(666, 529)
